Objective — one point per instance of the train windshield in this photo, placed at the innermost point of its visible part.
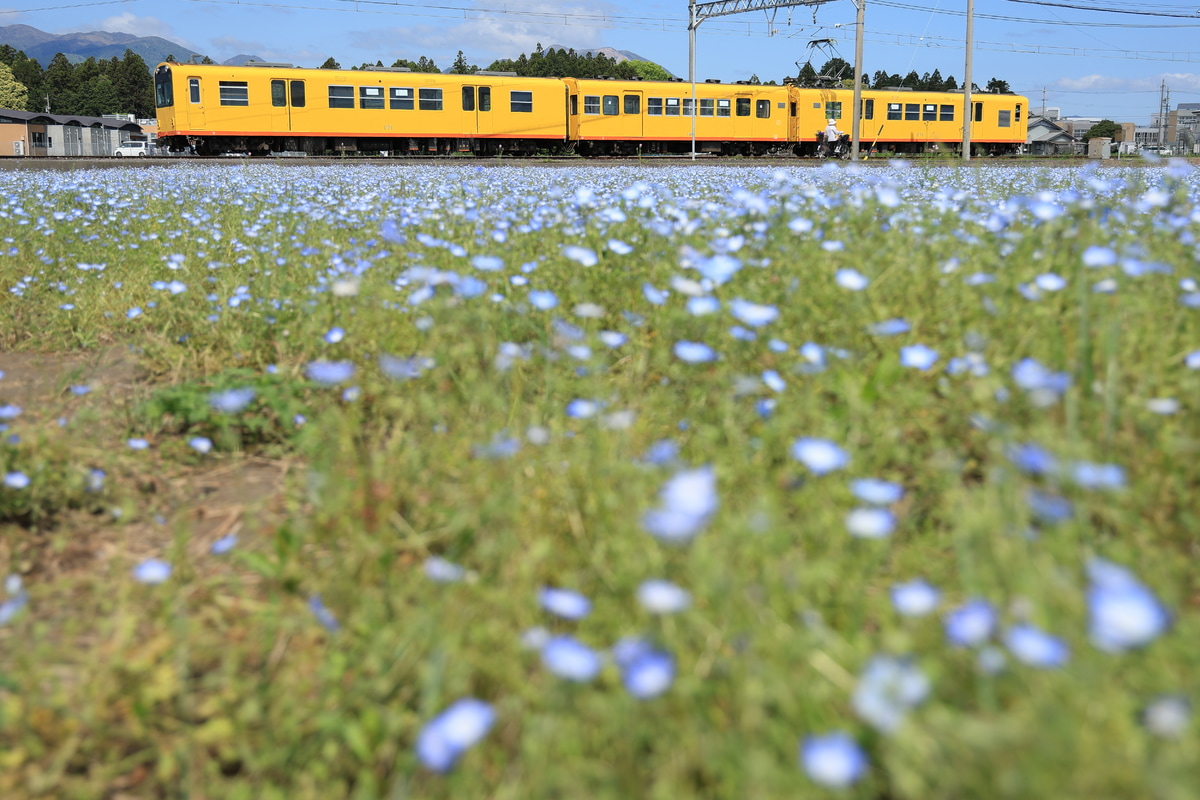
(164, 95)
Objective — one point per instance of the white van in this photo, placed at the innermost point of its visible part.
(133, 149)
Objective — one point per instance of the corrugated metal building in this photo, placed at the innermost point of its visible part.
(35, 134)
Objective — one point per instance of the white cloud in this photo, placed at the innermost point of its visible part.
(1177, 81)
(138, 26)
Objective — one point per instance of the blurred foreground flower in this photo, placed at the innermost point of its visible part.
(450, 734)
(1123, 614)
(834, 760)
(887, 689)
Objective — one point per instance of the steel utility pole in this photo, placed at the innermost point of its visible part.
(966, 140)
(698, 12)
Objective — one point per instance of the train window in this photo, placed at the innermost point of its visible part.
(194, 90)
(164, 95)
(1005, 119)
(574, 105)
(612, 105)
(868, 108)
(672, 106)
(912, 111)
(485, 98)
(706, 107)
(762, 109)
(687, 106)
(633, 104)
(929, 113)
(591, 104)
(400, 98)
(979, 112)
(521, 102)
(833, 110)
(816, 105)
(743, 106)
(893, 111)
(1017, 116)
(234, 93)
(278, 94)
(297, 94)
(429, 99)
(468, 98)
(722, 108)
(370, 97)
(792, 110)
(341, 97)
(654, 106)
(947, 113)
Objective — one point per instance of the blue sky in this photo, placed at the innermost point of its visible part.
(1089, 63)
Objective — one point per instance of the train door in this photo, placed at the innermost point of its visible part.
(278, 113)
(470, 107)
(632, 104)
(297, 107)
(483, 111)
(195, 105)
(743, 116)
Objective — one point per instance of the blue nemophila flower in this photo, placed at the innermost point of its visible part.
(1032, 376)
(970, 624)
(223, 545)
(663, 597)
(133, 313)
(1164, 406)
(1192, 360)
(887, 689)
(654, 296)
(94, 481)
(80, 390)
(744, 334)
(330, 373)
(700, 306)
(440, 570)
(687, 501)
(1049, 508)
(16, 480)
(231, 401)
(870, 523)
(619, 247)
(753, 314)
(335, 335)
(500, 447)
(918, 356)
(447, 736)
(851, 279)
(773, 380)
(1031, 458)
(571, 659)
(137, 444)
(9, 411)
(916, 598)
(323, 615)
(694, 352)
(1049, 282)
(543, 300)
(612, 339)
(1098, 476)
(1168, 716)
(401, 369)
(1097, 256)
(152, 571)
(581, 255)
(1123, 614)
(200, 444)
(1035, 647)
(662, 453)
(648, 674)
(891, 327)
(17, 600)
(876, 492)
(582, 409)
(488, 263)
(821, 456)
(834, 759)
(564, 603)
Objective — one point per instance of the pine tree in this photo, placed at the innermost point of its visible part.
(60, 84)
(330, 63)
(461, 67)
(935, 82)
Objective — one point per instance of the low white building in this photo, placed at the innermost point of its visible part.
(35, 134)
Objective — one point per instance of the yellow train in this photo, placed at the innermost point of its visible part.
(263, 108)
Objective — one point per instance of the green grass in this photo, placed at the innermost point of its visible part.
(220, 682)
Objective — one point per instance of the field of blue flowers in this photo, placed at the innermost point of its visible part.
(728, 482)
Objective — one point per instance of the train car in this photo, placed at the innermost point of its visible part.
(621, 117)
(262, 108)
(903, 121)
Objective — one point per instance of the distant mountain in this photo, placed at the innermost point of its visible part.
(607, 52)
(239, 60)
(95, 44)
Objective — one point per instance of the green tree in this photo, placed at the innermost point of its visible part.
(133, 84)
(171, 59)
(28, 72)
(425, 64)
(59, 84)
(207, 60)
(837, 69)
(13, 93)
(950, 84)
(97, 96)
(997, 86)
(754, 80)
(330, 64)
(935, 82)
(461, 67)
(1105, 128)
(912, 80)
(648, 70)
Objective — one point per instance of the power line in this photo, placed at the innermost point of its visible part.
(1126, 10)
(1040, 21)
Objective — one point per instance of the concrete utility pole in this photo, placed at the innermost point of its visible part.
(1164, 110)
(855, 125)
(698, 12)
(966, 140)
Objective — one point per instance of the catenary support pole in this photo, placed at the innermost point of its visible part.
(856, 124)
(966, 140)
